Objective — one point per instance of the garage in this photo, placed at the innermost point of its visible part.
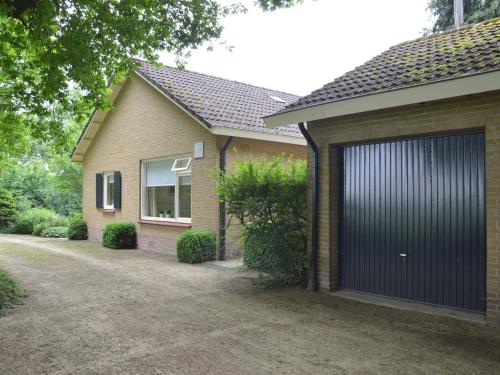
(413, 220)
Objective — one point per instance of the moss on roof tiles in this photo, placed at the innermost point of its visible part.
(453, 54)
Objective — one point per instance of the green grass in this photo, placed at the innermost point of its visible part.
(11, 293)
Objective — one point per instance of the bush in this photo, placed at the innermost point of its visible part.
(196, 246)
(268, 197)
(77, 229)
(25, 221)
(10, 292)
(55, 232)
(8, 208)
(120, 236)
(39, 228)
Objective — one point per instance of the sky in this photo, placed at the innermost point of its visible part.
(298, 50)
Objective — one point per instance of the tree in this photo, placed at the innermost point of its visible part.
(474, 11)
(8, 207)
(49, 48)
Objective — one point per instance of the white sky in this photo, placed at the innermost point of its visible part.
(300, 49)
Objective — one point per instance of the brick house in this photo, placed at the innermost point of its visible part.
(408, 184)
(148, 160)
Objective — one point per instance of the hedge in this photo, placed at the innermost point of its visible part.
(120, 236)
(77, 229)
(55, 232)
(196, 246)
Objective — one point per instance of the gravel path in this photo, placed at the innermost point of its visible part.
(92, 310)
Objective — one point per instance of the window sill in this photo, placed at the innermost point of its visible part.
(108, 210)
(166, 223)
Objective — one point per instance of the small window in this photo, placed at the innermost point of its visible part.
(109, 190)
(181, 164)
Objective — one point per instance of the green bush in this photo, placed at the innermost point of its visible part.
(196, 246)
(77, 229)
(39, 228)
(8, 208)
(55, 232)
(120, 236)
(25, 221)
(10, 292)
(268, 197)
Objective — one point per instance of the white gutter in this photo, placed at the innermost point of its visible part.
(417, 94)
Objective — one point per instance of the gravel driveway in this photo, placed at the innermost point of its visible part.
(92, 310)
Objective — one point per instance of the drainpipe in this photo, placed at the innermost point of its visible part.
(313, 276)
(222, 205)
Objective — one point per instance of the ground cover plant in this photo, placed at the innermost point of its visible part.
(11, 293)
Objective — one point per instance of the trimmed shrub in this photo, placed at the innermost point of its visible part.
(196, 246)
(8, 208)
(25, 221)
(77, 229)
(10, 292)
(120, 236)
(55, 232)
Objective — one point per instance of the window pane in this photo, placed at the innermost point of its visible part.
(158, 173)
(160, 201)
(185, 196)
(110, 199)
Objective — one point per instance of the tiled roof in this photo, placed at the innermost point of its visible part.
(220, 102)
(453, 54)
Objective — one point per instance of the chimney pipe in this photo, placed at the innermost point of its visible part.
(458, 12)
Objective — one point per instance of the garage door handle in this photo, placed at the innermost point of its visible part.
(402, 255)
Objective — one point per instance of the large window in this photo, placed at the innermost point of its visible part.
(109, 190)
(166, 189)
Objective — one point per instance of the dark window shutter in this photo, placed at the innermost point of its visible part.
(118, 189)
(99, 181)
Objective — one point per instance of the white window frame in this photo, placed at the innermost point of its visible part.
(105, 205)
(179, 169)
(179, 172)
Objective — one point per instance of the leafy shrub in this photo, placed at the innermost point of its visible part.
(8, 208)
(196, 246)
(25, 221)
(77, 229)
(120, 236)
(268, 197)
(10, 292)
(55, 232)
(39, 228)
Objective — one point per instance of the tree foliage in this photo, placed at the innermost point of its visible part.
(474, 11)
(8, 208)
(50, 49)
(268, 197)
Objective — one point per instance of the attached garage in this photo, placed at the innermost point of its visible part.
(404, 173)
(412, 222)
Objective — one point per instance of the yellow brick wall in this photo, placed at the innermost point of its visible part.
(144, 125)
(454, 115)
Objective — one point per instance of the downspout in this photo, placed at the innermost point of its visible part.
(313, 276)
(222, 205)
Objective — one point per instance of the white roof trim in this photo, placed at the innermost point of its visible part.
(99, 116)
(240, 133)
(417, 94)
(93, 125)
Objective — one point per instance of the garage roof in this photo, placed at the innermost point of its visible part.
(457, 53)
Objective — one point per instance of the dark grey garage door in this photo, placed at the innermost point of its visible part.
(414, 220)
